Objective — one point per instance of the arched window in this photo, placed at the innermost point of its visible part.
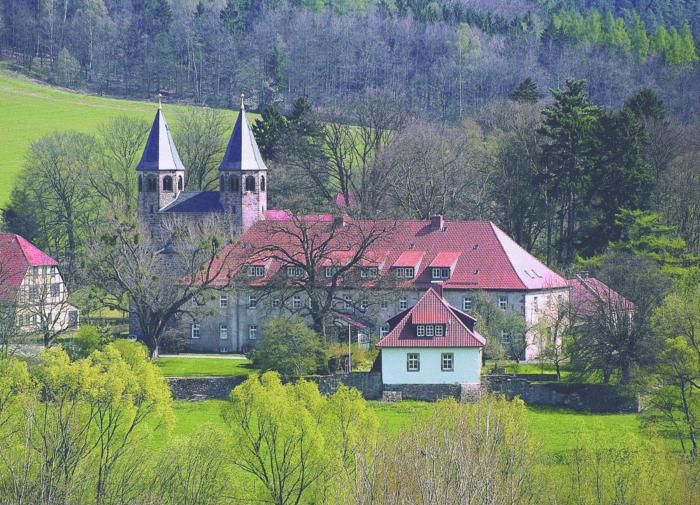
(250, 183)
(152, 184)
(140, 184)
(222, 183)
(179, 183)
(234, 184)
(262, 183)
(167, 183)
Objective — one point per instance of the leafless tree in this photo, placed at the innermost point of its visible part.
(319, 259)
(159, 283)
(201, 141)
(432, 173)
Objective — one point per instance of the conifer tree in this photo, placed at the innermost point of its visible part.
(526, 92)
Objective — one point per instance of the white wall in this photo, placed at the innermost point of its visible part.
(467, 366)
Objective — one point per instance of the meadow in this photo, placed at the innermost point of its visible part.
(30, 110)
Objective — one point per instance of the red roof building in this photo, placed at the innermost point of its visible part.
(17, 256)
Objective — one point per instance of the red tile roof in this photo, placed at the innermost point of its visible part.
(17, 255)
(445, 259)
(587, 292)
(488, 258)
(431, 308)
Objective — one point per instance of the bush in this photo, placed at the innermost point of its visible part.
(88, 339)
(289, 347)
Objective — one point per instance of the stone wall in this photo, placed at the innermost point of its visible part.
(202, 388)
(583, 397)
(368, 383)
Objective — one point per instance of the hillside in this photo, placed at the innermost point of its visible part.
(29, 110)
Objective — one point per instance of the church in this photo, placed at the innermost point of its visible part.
(464, 258)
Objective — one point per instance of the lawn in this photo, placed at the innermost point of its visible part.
(556, 431)
(204, 367)
(30, 110)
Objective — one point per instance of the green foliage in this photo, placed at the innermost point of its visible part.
(289, 347)
(526, 92)
(89, 339)
(646, 104)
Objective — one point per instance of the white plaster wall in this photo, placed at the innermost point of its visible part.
(467, 366)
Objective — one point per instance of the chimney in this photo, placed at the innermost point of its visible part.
(437, 287)
(339, 221)
(437, 222)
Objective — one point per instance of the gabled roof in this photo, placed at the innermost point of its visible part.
(160, 152)
(431, 308)
(242, 152)
(488, 258)
(196, 201)
(17, 255)
(588, 292)
(445, 259)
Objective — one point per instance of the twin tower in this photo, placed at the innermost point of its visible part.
(242, 193)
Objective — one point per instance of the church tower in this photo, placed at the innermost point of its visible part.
(243, 177)
(161, 175)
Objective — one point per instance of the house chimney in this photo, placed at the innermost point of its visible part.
(437, 287)
(339, 221)
(437, 222)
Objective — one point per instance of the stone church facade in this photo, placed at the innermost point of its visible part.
(464, 257)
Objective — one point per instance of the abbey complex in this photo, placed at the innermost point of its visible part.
(367, 271)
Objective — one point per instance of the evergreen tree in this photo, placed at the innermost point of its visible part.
(268, 131)
(526, 91)
(568, 156)
(646, 104)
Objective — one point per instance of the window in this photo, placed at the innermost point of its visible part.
(253, 331)
(535, 304)
(296, 302)
(383, 330)
(331, 271)
(295, 272)
(234, 184)
(179, 183)
(262, 183)
(439, 330)
(441, 273)
(413, 362)
(55, 289)
(276, 302)
(256, 271)
(364, 304)
(505, 336)
(252, 301)
(250, 183)
(167, 183)
(503, 302)
(369, 273)
(140, 184)
(223, 331)
(347, 302)
(194, 333)
(152, 184)
(403, 303)
(32, 293)
(467, 303)
(447, 362)
(223, 301)
(384, 303)
(429, 330)
(222, 183)
(420, 330)
(405, 272)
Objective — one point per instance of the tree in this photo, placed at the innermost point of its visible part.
(526, 92)
(268, 131)
(201, 142)
(567, 154)
(159, 284)
(288, 347)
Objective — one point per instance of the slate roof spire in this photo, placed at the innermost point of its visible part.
(242, 152)
(160, 152)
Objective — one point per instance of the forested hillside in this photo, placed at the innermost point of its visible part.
(446, 57)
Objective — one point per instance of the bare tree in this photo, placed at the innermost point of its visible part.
(159, 283)
(318, 258)
(201, 142)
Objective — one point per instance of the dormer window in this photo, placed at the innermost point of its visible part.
(256, 271)
(369, 272)
(405, 272)
(441, 273)
(295, 272)
(430, 330)
(330, 271)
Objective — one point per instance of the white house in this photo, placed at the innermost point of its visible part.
(431, 343)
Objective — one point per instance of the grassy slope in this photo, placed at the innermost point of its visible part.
(29, 110)
(202, 367)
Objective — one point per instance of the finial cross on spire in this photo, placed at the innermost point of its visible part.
(159, 96)
(242, 100)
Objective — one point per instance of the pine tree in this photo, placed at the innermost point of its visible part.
(640, 39)
(268, 131)
(645, 104)
(526, 92)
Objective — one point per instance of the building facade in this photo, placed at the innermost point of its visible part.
(466, 257)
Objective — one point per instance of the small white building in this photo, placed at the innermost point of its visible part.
(431, 343)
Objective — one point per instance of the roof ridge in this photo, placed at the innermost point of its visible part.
(505, 253)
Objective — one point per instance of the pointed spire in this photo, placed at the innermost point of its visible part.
(160, 152)
(242, 152)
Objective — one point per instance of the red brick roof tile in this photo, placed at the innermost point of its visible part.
(17, 255)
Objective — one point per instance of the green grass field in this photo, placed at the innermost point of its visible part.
(203, 367)
(30, 110)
